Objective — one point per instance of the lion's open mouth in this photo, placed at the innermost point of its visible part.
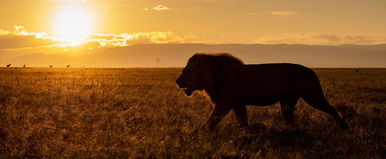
(189, 91)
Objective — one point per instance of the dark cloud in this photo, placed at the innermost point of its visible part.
(143, 38)
(13, 41)
(322, 39)
(331, 38)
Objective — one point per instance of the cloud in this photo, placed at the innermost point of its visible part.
(20, 38)
(161, 8)
(111, 40)
(278, 13)
(252, 14)
(283, 13)
(322, 39)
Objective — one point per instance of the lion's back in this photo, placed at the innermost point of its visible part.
(277, 73)
(271, 81)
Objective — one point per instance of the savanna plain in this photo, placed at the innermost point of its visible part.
(140, 113)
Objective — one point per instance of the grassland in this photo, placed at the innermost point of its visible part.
(140, 113)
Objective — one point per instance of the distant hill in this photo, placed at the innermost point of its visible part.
(176, 55)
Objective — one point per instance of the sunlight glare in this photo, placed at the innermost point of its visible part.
(73, 24)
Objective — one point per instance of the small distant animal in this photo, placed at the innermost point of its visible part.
(68, 66)
(9, 65)
(357, 70)
(231, 85)
(51, 66)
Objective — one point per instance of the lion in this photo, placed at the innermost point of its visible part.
(232, 85)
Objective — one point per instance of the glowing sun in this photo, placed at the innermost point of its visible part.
(73, 24)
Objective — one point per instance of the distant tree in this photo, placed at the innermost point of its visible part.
(51, 66)
(357, 70)
(24, 66)
(68, 66)
(9, 65)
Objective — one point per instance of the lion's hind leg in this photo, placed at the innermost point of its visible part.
(288, 107)
(319, 102)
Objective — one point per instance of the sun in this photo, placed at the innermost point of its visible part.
(73, 24)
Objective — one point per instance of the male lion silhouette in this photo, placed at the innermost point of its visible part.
(231, 84)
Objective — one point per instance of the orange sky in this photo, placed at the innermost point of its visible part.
(125, 22)
(91, 33)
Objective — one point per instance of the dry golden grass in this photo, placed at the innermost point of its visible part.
(140, 113)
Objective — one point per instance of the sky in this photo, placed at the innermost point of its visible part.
(320, 22)
(62, 26)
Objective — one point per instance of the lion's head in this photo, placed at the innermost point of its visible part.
(202, 69)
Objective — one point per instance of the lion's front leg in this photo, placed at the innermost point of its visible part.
(241, 115)
(217, 115)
